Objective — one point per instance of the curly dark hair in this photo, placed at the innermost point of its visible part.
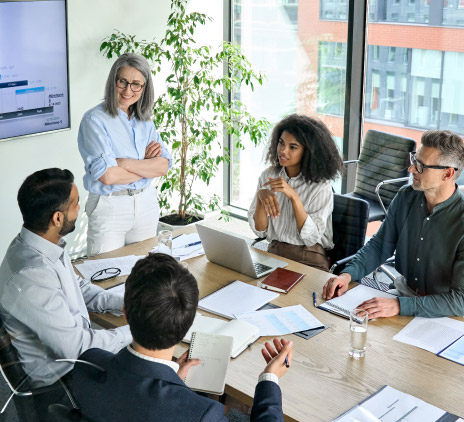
(321, 160)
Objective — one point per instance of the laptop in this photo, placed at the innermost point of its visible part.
(233, 252)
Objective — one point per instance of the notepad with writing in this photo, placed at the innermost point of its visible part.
(281, 280)
(214, 351)
(236, 298)
(344, 304)
(242, 332)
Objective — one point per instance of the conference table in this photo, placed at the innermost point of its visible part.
(323, 381)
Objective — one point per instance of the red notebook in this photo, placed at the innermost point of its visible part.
(281, 280)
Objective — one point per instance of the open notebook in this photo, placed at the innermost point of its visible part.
(242, 332)
(345, 303)
(214, 352)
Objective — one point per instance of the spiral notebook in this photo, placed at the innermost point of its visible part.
(342, 305)
(214, 351)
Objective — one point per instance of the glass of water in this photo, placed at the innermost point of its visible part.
(165, 242)
(358, 332)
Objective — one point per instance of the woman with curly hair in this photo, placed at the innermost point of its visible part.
(293, 204)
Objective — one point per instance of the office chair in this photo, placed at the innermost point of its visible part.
(349, 222)
(61, 413)
(58, 412)
(382, 168)
(19, 382)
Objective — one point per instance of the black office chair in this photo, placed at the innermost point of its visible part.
(60, 413)
(349, 222)
(382, 168)
(18, 382)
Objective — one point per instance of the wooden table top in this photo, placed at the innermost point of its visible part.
(324, 381)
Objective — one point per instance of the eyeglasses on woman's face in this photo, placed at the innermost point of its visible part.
(134, 86)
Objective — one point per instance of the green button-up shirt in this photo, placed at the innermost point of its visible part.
(429, 252)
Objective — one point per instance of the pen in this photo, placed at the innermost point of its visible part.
(314, 299)
(193, 244)
(287, 365)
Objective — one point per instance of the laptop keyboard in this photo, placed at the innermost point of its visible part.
(261, 268)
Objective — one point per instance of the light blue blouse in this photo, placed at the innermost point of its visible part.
(103, 138)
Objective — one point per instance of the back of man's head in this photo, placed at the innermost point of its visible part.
(160, 301)
(450, 146)
(43, 193)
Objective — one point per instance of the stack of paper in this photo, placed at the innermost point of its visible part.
(236, 298)
(185, 246)
(124, 263)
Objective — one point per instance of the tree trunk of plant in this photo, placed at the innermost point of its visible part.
(183, 163)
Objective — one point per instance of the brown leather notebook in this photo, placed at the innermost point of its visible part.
(281, 280)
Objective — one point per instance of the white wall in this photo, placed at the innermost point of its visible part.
(89, 22)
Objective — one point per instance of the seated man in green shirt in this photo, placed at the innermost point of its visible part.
(425, 225)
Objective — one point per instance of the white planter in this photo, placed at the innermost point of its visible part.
(166, 226)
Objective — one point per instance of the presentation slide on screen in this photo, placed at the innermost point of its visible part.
(33, 67)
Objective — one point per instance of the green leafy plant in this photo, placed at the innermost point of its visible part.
(197, 109)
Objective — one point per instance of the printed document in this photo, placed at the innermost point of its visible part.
(124, 263)
(281, 321)
(432, 334)
(390, 405)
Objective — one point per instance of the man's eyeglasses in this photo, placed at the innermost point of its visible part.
(420, 166)
(106, 274)
(134, 86)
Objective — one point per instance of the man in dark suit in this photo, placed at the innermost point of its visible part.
(141, 383)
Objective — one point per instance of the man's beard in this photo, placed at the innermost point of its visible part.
(68, 226)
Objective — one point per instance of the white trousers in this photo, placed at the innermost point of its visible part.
(116, 221)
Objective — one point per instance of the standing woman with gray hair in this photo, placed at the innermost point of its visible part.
(122, 153)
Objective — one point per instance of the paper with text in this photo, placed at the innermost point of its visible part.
(124, 263)
(390, 405)
(432, 334)
(281, 321)
(214, 352)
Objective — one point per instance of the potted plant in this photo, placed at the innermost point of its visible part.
(197, 109)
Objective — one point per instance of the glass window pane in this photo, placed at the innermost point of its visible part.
(304, 64)
(421, 80)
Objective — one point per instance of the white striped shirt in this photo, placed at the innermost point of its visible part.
(317, 199)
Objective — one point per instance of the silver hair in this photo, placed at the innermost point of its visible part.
(450, 146)
(143, 108)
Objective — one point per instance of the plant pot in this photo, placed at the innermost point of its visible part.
(173, 222)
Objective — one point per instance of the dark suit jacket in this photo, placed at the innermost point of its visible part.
(138, 390)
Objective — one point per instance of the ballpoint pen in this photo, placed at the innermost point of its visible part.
(314, 299)
(287, 365)
(193, 244)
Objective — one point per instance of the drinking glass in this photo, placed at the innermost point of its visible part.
(165, 242)
(358, 332)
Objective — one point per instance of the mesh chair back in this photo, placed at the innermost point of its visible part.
(349, 222)
(383, 156)
(11, 366)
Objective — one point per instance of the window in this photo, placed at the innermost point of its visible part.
(302, 75)
(408, 86)
(391, 54)
(331, 78)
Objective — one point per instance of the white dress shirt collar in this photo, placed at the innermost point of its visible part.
(43, 246)
(173, 365)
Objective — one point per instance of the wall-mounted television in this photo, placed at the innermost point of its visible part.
(34, 83)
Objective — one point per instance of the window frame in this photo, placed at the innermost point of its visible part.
(354, 96)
